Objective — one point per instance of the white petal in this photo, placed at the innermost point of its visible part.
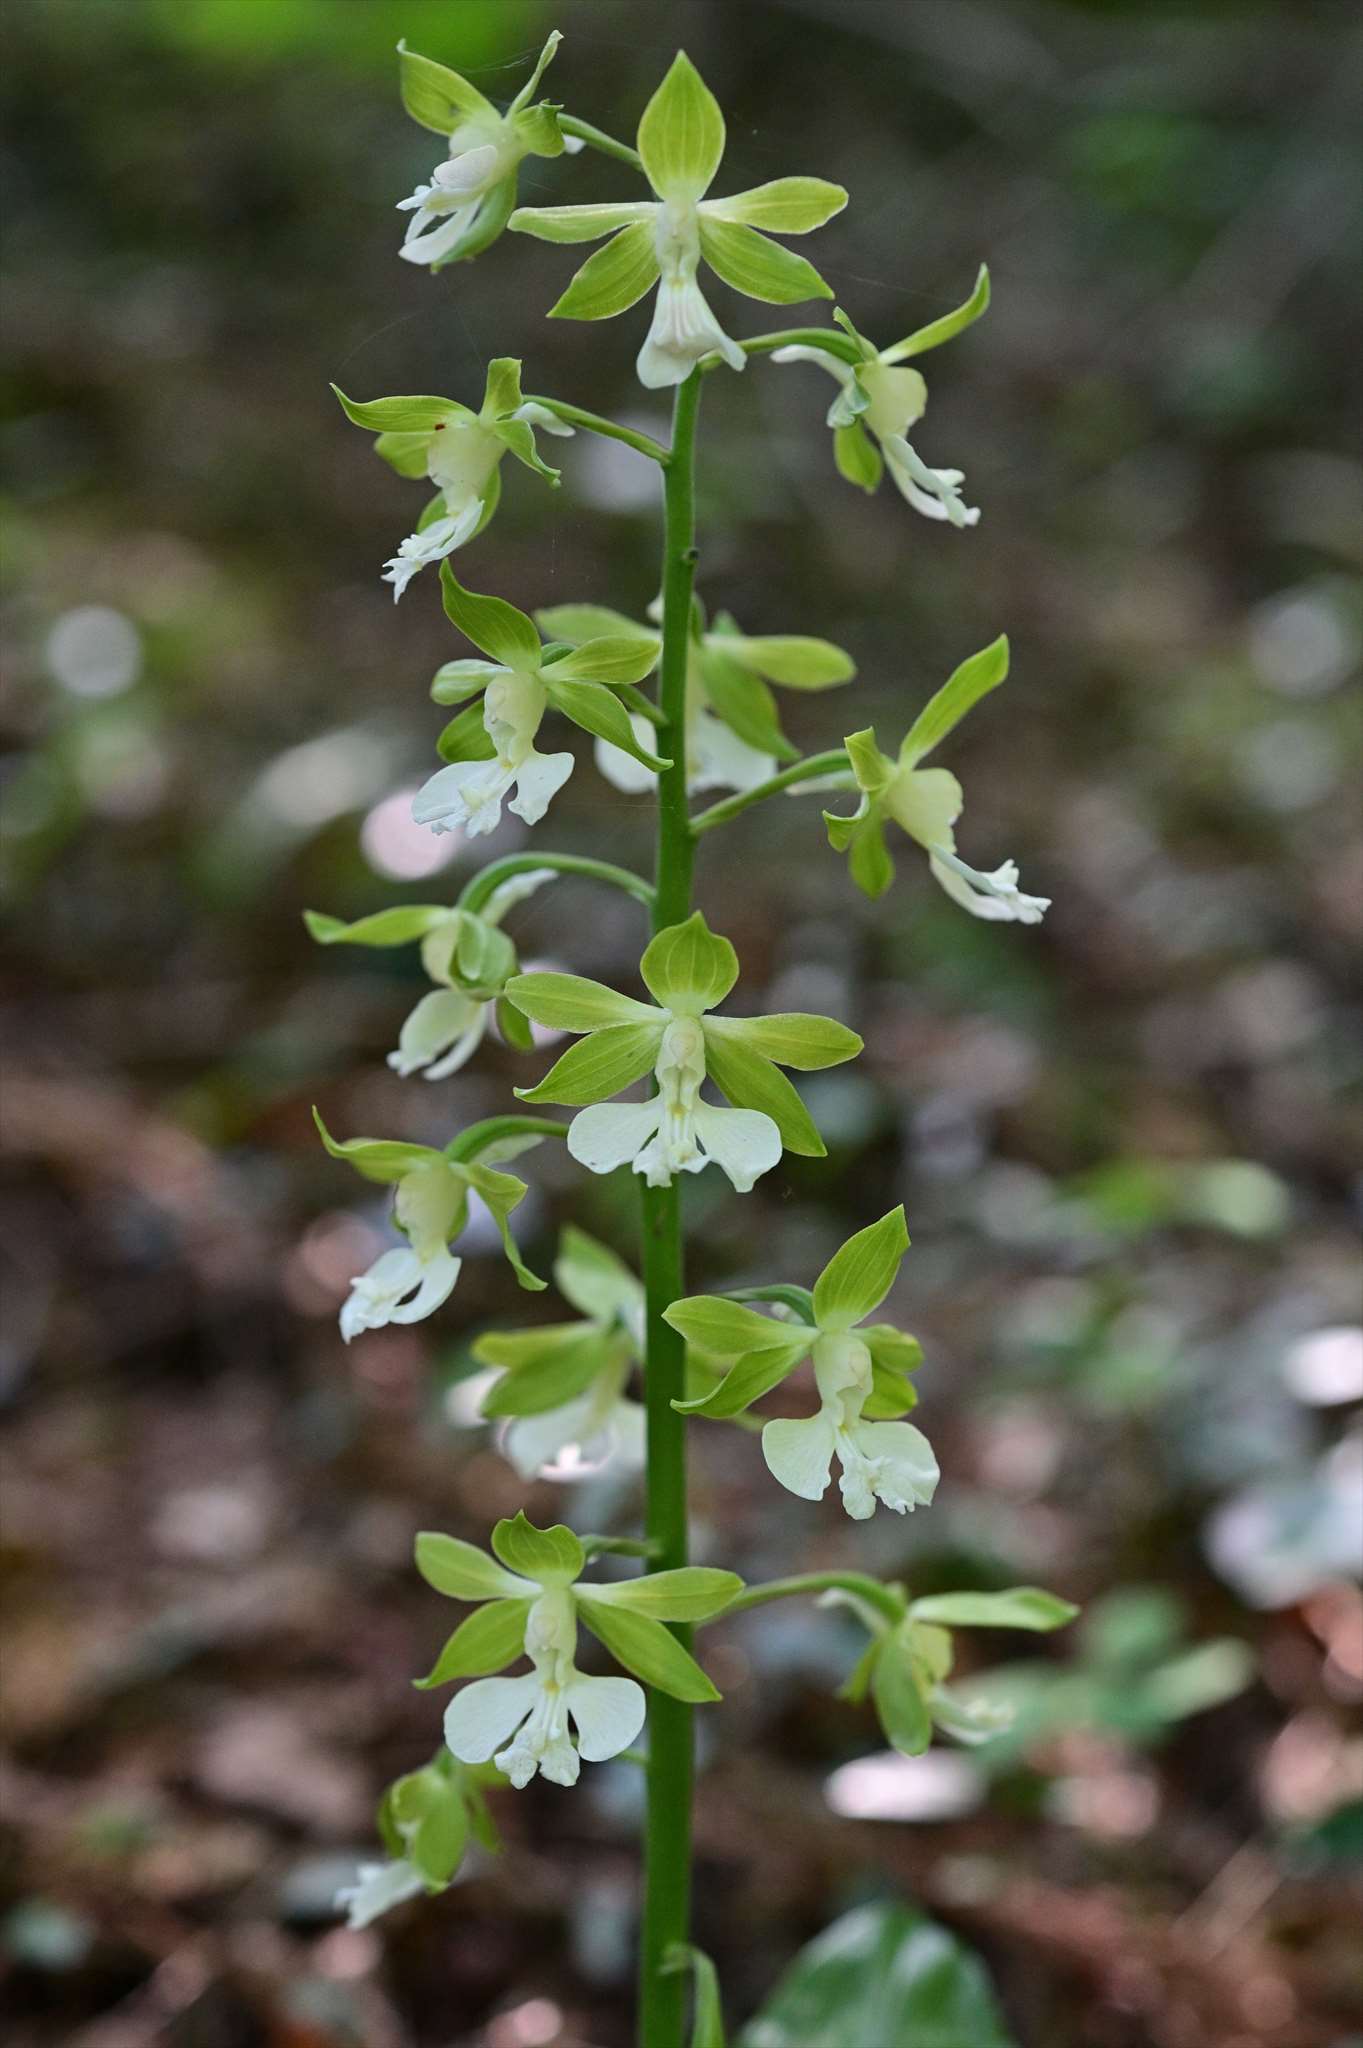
(538, 779)
(995, 897)
(799, 1453)
(377, 1888)
(933, 492)
(445, 1021)
(683, 330)
(718, 759)
(425, 244)
(438, 1276)
(541, 417)
(467, 793)
(533, 1441)
(907, 1473)
(612, 1134)
(484, 1715)
(621, 768)
(468, 172)
(607, 1713)
(744, 1142)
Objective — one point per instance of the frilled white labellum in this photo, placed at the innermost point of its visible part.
(683, 327)
(400, 1287)
(674, 1131)
(469, 794)
(482, 154)
(890, 1462)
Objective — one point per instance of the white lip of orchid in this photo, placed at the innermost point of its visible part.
(469, 794)
(432, 544)
(683, 328)
(401, 1286)
(582, 1434)
(483, 151)
(440, 1035)
(377, 1888)
(716, 758)
(873, 1457)
(995, 897)
(933, 492)
(674, 1131)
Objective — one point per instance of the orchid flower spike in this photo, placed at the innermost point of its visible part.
(490, 748)
(926, 802)
(664, 240)
(467, 956)
(689, 970)
(431, 1209)
(860, 1369)
(878, 401)
(554, 1718)
(461, 452)
(734, 738)
(468, 199)
(562, 1385)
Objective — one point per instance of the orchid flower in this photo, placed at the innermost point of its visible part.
(467, 956)
(689, 970)
(431, 1208)
(554, 1717)
(490, 748)
(664, 240)
(926, 802)
(733, 729)
(425, 1820)
(876, 393)
(563, 1384)
(461, 452)
(860, 1370)
(465, 204)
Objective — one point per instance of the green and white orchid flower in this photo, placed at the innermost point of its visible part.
(689, 970)
(926, 802)
(860, 1370)
(461, 452)
(664, 240)
(431, 1209)
(425, 1820)
(733, 729)
(908, 1659)
(532, 1599)
(562, 1385)
(469, 198)
(467, 956)
(490, 748)
(878, 394)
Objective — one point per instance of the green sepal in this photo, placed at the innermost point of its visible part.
(689, 968)
(857, 457)
(487, 224)
(502, 632)
(484, 957)
(960, 693)
(424, 1820)
(550, 1557)
(569, 224)
(783, 206)
(453, 681)
(798, 1300)
(724, 1328)
(380, 1159)
(707, 2013)
(798, 661)
(615, 659)
(487, 1640)
(599, 1065)
(681, 133)
(466, 737)
(518, 438)
(744, 702)
(753, 264)
(395, 927)
(501, 389)
(693, 1592)
(613, 280)
(401, 415)
(645, 1648)
(435, 96)
(756, 1373)
(562, 1366)
(599, 711)
(514, 1027)
(945, 329)
(792, 1038)
(538, 131)
(595, 1279)
(859, 1276)
(570, 1002)
(898, 1695)
(406, 453)
(542, 62)
(1026, 1607)
(500, 1192)
(578, 622)
(751, 1082)
(461, 1571)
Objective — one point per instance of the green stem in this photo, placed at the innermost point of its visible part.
(493, 1129)
(597, 423)
(831, 339)
(883, 1598)
(597, 138)
(667, 1851)
(801, 771)
(484, 884)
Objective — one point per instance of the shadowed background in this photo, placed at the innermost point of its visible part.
(1126, 1141)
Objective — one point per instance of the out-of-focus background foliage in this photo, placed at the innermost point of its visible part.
(1126, 1141)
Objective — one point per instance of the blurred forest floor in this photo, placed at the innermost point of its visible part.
(1128, 1142)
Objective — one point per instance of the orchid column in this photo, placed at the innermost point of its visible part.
(710, 721)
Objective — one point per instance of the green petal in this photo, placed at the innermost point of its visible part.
(401, 415)
(874, 771)
(381, 1159)
(615, 658)
(1020, 1607)
(466, 737)
(578, 223)
(595, 1279)
(644, 1647)
(461, 1571)
(797, 660)
(760, 268)
(436, 96)
(869, 861)
(578, 622)
(681, 133)
(945, 329)
(518, 438)
(599, 1065)
(570, 1002)
(752, 1376)
(899, 1701)
(857, 456)
(597, 710)
(751, 1082)
(691, 1593)
(502, 389)
(406, 453)
(688, 967)
(613, 280)
(522, 99)
(551, 1557)
(395, 927)
(859, 1276)
(501, 1192)
(742, 700)
(791, 1038)
(960, 693)
(492, 624)
(455, 680)
(783, 206)
(725, 1328)
(543, 1374)
(487, 1640)
(707, 2012)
